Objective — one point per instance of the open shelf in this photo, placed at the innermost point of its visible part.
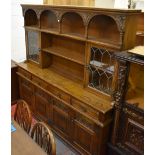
(135, 92)
(64, 53)
(103, 29)
(72, 23)
(31, 18)
(66, 68)
(67, 48)
(49, 21)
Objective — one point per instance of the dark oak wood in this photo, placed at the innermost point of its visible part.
(68, 75)
(23, 115)
(44, 138)
(22, 143)
(14, 83)
(128, 126)
(140, 30)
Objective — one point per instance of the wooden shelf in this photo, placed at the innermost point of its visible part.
(109, 69)
(32, 28)
(72, 23)
(74, 36)
(104, 42)
(50, 30)
(65, 53)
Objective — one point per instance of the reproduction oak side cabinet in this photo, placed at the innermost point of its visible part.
(128, 124)
(68, 75)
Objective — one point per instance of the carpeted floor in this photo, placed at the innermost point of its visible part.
(61, 147)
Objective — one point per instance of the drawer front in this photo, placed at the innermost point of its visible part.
(62, 95)
(43, 94)
(25, 73)
(39, 82)
(84, 108)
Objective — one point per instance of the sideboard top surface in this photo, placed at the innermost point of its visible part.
(74, 89)
(82, 8)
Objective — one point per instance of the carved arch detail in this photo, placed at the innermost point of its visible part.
(51, 10)
(64, 12)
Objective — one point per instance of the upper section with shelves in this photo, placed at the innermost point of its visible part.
(107, 26)
(67, 48)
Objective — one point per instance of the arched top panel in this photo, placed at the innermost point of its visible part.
(72, 23)
(48, 20)
(103, 28)
(30, 18)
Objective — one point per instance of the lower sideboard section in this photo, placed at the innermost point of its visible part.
(87, 135)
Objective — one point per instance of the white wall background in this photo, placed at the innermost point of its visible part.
(104, 3)
(18, 50)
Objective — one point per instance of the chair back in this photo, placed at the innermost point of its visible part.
(44, 137)
(23, 115)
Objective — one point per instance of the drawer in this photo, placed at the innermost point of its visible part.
(85, 108)
(62, 95)
(65, 97)
(85, 122)
(26, 83)
(60, 105)
(42, 94)
(39, 82)
(25, 73)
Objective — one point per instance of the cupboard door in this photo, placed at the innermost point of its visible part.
(60, 118)
(84, 136)
(41, 103)
(26, 92)
(133, 137)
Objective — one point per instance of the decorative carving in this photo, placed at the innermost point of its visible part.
(87, 17)
(135, 137)
(127, 111)
(119, 92)
(118, 96)
(120, 20)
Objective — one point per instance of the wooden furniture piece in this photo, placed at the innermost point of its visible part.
(128, 125)
(22, 143)
(14, 83)
(140, 30)
(23, 115)
(67, 79)
(44, 137)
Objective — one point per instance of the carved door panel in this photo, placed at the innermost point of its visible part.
(42, 101)
(132, 139)
(84, 136)
(27, 92)
(60, 118)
